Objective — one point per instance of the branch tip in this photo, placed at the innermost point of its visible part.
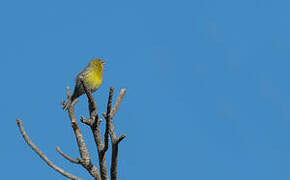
(121, 138)
(68, 92)
(67, 157)
(118, 102)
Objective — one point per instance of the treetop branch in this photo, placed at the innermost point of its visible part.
(94, 123)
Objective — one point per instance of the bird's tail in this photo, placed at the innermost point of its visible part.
(67, 104)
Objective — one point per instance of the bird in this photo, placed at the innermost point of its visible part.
(92, 76)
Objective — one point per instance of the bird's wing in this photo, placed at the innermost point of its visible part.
(83, 73)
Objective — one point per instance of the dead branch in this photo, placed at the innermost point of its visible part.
(67, 157)
(84, 153)
(41, 155)
(118, 102)
(94, 123)
(111, 130)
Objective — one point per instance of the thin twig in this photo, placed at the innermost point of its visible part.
(43, 156)
(67, 157)
(121, 138)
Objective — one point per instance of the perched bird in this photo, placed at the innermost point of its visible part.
(93, 77)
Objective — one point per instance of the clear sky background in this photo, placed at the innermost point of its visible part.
(208, 85)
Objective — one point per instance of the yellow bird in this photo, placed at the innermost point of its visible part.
(93, 76)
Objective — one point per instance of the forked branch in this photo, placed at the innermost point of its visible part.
(94, 123)
(84, 153)
(111, 130)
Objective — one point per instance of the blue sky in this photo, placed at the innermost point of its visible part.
(208, 85)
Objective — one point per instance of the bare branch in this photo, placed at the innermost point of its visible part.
(84, 153)
(111, 130)
(121, 138)
(86, 121)
(92, 103)
(114, 162)
(109, 105)
(94, 123)
(101, 154)
(43, 156)
(67, 157)
(118, 102)
(68, 92)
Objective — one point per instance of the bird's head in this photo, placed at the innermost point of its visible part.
(97, 63)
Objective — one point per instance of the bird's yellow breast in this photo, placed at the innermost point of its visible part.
(94, 78)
